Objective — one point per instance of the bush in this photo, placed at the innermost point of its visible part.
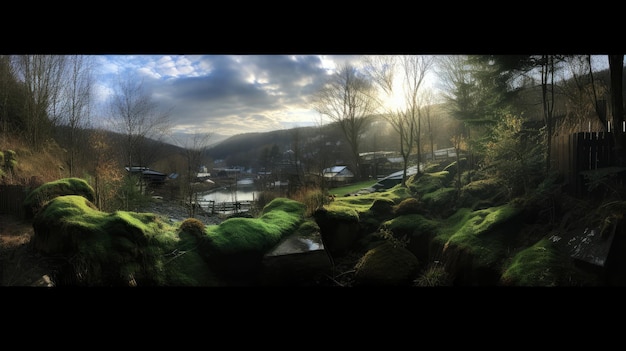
(264, 198)
(312, 198)
(193, 226)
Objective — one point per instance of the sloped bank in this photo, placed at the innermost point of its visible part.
(473, 235)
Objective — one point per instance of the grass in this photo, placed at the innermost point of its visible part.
(351, 188)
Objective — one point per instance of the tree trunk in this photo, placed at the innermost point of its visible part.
(616, 68)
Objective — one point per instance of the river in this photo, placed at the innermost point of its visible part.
(244, 191)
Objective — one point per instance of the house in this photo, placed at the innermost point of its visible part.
(394, 179)
(150, 176)
(338, 174)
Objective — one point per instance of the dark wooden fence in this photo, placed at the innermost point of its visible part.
(579, 152)
(12, 199)
(226, 207)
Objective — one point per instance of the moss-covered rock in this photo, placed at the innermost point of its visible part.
(542, 264)
(236, 247)
(39, 196)
(477, 243)
(96, 248)
(340, 230)
(417, 230)
(408, 206)
(441, 202)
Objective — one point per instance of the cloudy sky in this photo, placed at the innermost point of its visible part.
(223, 94)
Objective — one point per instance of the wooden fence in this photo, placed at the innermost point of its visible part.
(12, 199)
(579, 152)
(226, 207)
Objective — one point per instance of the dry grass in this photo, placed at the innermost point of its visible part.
(19, 266)
(45, 166)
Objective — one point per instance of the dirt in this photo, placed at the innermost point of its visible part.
(19, 264)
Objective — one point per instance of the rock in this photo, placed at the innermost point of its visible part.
(386, 265)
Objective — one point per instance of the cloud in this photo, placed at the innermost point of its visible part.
(225, 94)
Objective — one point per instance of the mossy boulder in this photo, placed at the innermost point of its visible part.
(339, 230)
(416, 230)
(41, 195)
(95, 248)
(408, 206)
(236, 247)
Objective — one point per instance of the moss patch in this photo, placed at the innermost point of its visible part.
(279, 218)
(39, 196)
(542, 264)
(475, 232)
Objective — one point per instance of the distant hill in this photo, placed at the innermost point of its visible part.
(249, 143)
(182, 139)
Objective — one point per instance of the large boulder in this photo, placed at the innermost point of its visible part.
(339, 231)
(41, 195)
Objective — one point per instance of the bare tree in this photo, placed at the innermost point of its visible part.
(405, 121)
(583, 96)
(428, 100)
(548, 65)
(135, 115)
(6, 81)
(416, 68)
(76, 104)
(350, 100)
(295, 180)
(616, 72)
(42, 77)
(195, 147)
(107, 175)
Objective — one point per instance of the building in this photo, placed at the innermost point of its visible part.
(338, 174)
(150, 176)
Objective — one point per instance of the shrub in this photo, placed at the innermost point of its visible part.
(435, 275)
(193, 226)
(312, 198)
(264, 198)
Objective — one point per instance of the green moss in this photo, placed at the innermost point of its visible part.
(280, 218)
(538, 265)
(362, 203)
(425, 183)
(440, 196)
(476, 231)
(411, 223)
(284, 205)
(186, 267)
(108, 249)
(39, 196)
(308, 228)
(351, 188)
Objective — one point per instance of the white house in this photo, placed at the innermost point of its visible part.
(338, 174)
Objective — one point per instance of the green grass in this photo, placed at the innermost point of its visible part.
(351, 188)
